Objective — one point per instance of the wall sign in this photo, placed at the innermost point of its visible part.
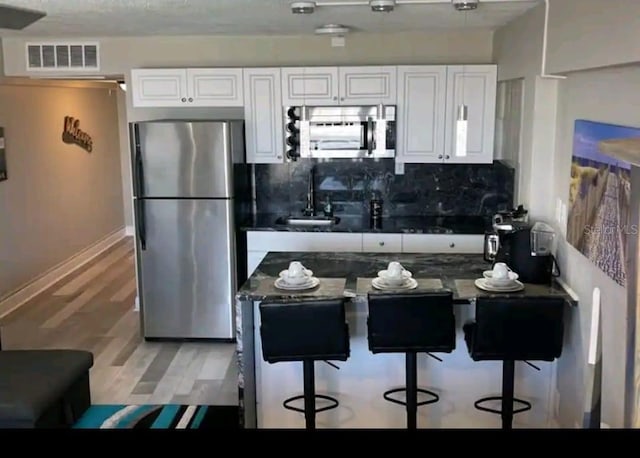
(72, 134)
(3, 159)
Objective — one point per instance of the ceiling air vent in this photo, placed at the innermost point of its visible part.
(63, 56)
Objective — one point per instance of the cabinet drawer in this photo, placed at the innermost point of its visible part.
(441, 243)
(381, 243)
(303, 241)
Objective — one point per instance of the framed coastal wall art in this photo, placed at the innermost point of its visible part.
(599, 198)
(3, 157)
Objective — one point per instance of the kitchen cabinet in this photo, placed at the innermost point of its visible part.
(381, 243)
(263, 115)
(422, 91)
(475, 86)
(368, 85)
(310, 86)
(258, 241)
(443, 243)
(198, 87)
(364, 85)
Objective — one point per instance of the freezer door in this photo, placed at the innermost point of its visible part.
(183, 159)
(187, 268)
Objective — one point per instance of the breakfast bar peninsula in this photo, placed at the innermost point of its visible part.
(360, 381)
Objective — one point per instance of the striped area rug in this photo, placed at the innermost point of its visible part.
(169, 416)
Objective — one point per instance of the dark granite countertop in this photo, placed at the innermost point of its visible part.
(456, 272)
(404, 224)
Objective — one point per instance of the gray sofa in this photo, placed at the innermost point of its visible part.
(43, 388)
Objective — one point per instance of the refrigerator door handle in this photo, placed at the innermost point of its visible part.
(138, 165)
(141, 223)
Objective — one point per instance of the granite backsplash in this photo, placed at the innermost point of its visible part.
(423, 189)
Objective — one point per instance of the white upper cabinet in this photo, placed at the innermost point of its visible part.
(215, 87)
(475, 86)
(263, 115)
(159, 87)
(205, 87)
(422, 96)
(367, 85)
(310, 86)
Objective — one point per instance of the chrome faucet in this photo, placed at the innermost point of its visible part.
(310, 209)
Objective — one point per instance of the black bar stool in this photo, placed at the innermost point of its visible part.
(510, 329)
(305, 330)
(411, 323)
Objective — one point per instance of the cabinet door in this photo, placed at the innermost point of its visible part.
(254, 258)
(381, 243)
(367, 85)
(476, 86)
(303, 241)
(310, 86)
(421, 104)
(263, 115)
(441, 243)
(215, 87)
(159, 87)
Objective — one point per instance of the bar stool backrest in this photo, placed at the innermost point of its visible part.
(313, 329)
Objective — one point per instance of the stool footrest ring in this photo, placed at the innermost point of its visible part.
(527, 405)
(435, 397)
(333, 405)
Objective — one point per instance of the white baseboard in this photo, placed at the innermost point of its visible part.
(129, 231)
(27, 292)
(136, 304)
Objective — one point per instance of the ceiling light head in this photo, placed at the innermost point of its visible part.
(303, 7)
(465, 5)
(382, 6)
(332, 29)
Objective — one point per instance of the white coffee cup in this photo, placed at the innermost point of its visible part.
(500, 271)
(296, 270)
(394, 270)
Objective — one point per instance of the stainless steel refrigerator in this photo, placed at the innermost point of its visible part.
(185, 243)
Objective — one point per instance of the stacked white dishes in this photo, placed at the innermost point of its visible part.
(296, 278)
(393, 278)
(501, 279)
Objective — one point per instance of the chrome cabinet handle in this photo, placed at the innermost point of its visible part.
(335, 98)
(381, 243)
(190, 99)
(279, 156)
(452, 245)
(183, 99)
(342, 98)
(439, 156)
(447, 156)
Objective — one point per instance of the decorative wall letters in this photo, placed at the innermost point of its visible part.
(72, 134)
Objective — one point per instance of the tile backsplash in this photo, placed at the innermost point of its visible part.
(424, 189)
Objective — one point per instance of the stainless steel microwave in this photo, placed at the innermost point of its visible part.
(340, 131)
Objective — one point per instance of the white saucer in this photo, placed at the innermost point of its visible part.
(307, 272)
(502, 282)
(281, 283)
(484, 285)
(379, 283)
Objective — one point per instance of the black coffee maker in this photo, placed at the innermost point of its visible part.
(527, 249)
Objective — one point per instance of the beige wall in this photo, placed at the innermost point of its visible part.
(587, 34)
(551, 107)
(125, 159)
(58, 199)
(118, 55)
(578, 99)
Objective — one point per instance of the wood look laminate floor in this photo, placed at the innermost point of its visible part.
(93, 309)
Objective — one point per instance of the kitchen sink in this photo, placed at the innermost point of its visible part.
(308, 220)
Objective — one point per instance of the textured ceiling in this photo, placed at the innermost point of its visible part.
(93, 18)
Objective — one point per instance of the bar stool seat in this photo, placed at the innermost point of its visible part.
(511, 329)
(305, 330)
(411, 323)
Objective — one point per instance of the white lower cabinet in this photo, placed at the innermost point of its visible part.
(381, 243)
(259, 243)
(442, 243)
